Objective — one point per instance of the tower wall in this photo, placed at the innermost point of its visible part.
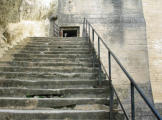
(122, 25)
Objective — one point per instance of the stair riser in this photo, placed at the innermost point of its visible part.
(39, 69)
(55, 116)
(31, 64)
(56, 40)
(52, 60)
(50, 76)
(59, 43)
(55, 50)
(47, 103)
(45, 39)
(51, 53)
(51, 84)
(67, 93)
(53, 56)
(54, 46)
(83, 42)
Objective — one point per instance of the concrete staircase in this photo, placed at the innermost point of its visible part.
(52, 78)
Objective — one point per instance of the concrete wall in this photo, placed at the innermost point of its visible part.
(153, 16)
(121, 24)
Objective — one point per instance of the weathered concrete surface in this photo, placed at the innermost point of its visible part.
(121, 24)
(53, 90)
(153, 17)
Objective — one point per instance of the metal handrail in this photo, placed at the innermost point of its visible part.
(56, 30)
(86, 26)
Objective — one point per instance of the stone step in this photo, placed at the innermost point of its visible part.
(49, 75)
(47, 64)
(85, 42)
(55, 52)
(62, 42)
(86, 60)
(51, 84)
(47, 69)
(52, 46)
(54, 93)
(45, 39)
(56, 39)
(53, 103)
(9, 114)
(33, 49)
(53, 55)
(57, 46)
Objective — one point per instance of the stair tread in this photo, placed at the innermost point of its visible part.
(74, 80)
(20, 98)
(50, 111)
(61, 89)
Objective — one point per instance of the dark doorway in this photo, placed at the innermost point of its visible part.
(70, 33)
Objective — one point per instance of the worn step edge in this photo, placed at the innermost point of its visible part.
(50, 59)
(53, 49)
(74, 56)
(56, 52)
(79, 59)
(55, 90)
(52, 84)
(49, 75)
(32, 103)
(53, 114)
(47, 69)
(52, 93)
(46, 63)
(56, 45)
(56, 38)
(58, 42)
(30, 54)
(51, 111)
(57, 81)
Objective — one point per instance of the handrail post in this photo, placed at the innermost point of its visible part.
(132, 102)
(111, 87)
(99, 70)
(86, 29)
(109, 63)
(89, 34)
(93, 47)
